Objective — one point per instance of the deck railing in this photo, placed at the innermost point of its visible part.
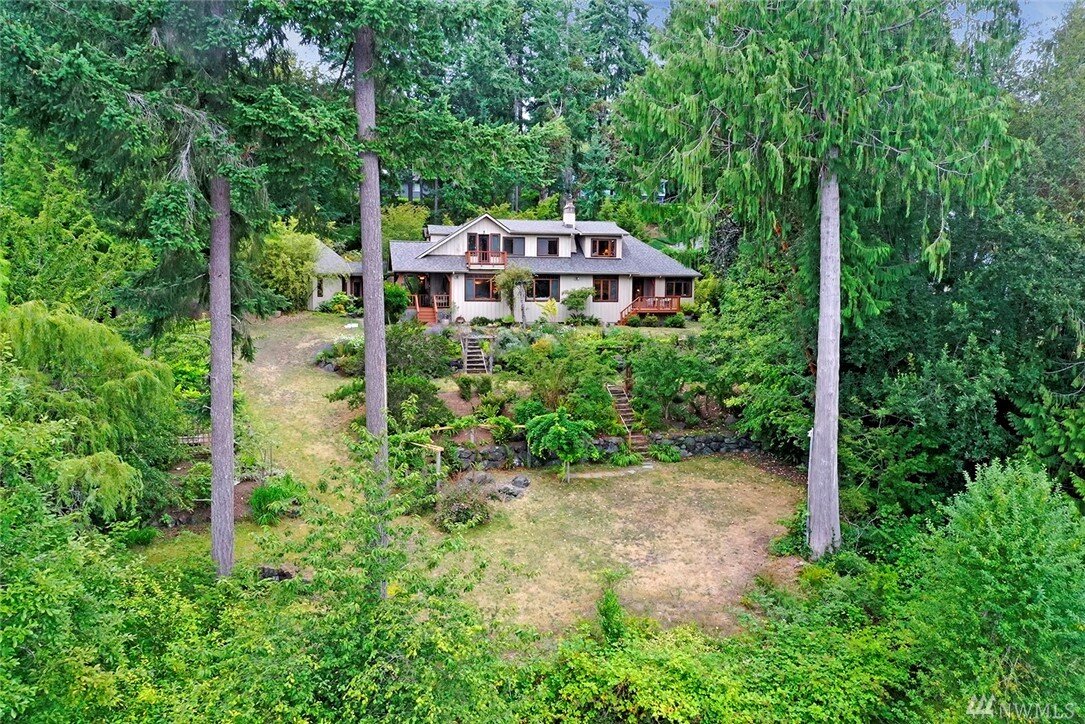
(437, 301)
(652, 305)
(484, 258)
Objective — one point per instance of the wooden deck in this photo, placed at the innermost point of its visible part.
(651, 305)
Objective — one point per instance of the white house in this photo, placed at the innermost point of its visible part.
(331, 274)
(452, 271)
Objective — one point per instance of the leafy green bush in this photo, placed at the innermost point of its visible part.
(677, 321)
(276, 497)
(411, 348)
(481, 321)
(339, 303)
(461, 504)
(664, 452)
(558, 434)
(577, 319)
(139, 536)
(650, 320)
(635, 320)
(396, 301)
(527, 409)
(466, 385)
(1001, 609)
(285, 264)
(502, 428)
(661, 371)
(625, 458)
(576, 300)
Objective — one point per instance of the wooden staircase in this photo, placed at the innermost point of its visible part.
(475, 361)
(424, 313)
(637, 442)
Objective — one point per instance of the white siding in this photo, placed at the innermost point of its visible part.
(332, 284)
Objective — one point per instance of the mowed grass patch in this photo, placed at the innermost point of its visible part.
(690, 537)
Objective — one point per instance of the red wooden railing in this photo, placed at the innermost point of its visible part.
(486, 258)
(652, 305)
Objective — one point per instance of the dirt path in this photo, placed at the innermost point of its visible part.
(285, 394)
(285, 401)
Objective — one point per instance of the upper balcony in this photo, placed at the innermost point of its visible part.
(482, 259)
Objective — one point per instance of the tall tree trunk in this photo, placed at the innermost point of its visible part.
(222, 382)
(823, 496)
(376, 383)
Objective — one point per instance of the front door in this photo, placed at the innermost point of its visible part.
(643, 287)
(356, 287)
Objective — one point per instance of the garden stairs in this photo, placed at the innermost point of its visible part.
(475, 361)
(638, 443)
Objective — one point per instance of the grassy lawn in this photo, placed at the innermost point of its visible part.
(285, 402)
(690, 538)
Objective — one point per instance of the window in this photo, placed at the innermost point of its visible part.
(514, 245)
(544, 288)
(606, 289)
(320, 286)
(604, 247)
(343, 283)
(472, 242)
(676, 287)
(548, 246)
(479, 288)
(483, 242)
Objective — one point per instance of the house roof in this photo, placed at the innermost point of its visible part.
(328, 263)
(638, 259)
(537, 226)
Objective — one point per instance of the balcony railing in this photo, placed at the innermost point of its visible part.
(486, 259)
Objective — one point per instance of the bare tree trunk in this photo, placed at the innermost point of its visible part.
(222, 382)
(823, 495)
(376, 382)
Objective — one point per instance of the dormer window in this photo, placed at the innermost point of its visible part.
(548, 246)
(606, 248)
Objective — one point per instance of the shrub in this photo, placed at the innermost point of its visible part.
(625, 458)
(139, 536)
(677, 321)
(197, 483)
(576, 300)
(461, 504)
(286, 263)
(665, 452)
(635, 321)
(650, 320)
(412, 348)
(396, 301)
(466, 384)
(558, 434)
(481, 321)
(339, 303)
(583, 320)
(502, 428)
(276, 497)
(525, 410)
(1002, 598)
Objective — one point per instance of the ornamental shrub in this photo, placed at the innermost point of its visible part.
(285, 263)
(276, 497)
(461, 504)
(664, 452)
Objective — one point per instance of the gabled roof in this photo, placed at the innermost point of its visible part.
(537, 226)
(638, 259)
(328, 263)
(463, 227)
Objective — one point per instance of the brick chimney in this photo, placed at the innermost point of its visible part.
(568, 216)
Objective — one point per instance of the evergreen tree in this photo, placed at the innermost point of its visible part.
(754, 103)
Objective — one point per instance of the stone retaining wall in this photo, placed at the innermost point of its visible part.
(516, 454)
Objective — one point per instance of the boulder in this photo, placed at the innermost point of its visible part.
(520, 481)
(507, 492)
